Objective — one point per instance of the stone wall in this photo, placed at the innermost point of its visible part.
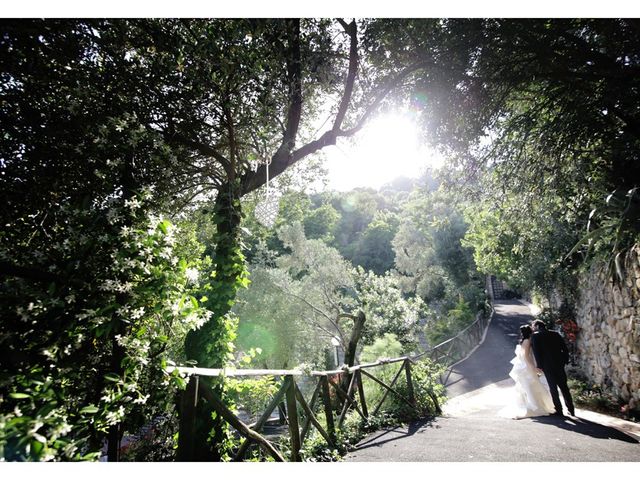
(609, 339)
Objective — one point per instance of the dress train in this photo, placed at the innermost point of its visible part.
(530, 395)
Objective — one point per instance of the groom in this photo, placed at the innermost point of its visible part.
(551, 356)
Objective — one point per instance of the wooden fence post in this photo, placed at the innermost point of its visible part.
(407, 368)
(277, 399)
(328, 410)
(363, 403)
(187, 425)
(292, 415)
(282, 416)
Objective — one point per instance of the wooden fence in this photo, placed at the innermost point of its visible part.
(300, 412)
(454, 349)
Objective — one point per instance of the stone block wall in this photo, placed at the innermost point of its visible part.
(609, 339)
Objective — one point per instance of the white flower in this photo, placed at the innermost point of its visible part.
(86, 314)
(24, 316)
(112, 418)
(137, 313)
(146, 192)
(113, 216)
(175, 308)
(192, 275)
(63, 429)
(142, 400)
(115, 417)
(133, 204)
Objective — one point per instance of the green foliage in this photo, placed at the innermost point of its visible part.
(435, 262)
(321, 223)
(302, 298)
(316, 449)
(524, 244)
(456, 320)
(612, 230)
(141, 301)
(373, 250)
(252, 395)
(538, 121)
(427, 389)
(386, 346)
(357, 209)
(272, 322)
(387, 309)
(592, 397)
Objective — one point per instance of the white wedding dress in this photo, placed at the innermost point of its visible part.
(530, 396)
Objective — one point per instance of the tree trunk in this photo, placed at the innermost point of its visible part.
(350, 350)
(209, 345)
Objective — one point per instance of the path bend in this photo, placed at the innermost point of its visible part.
(471, 430)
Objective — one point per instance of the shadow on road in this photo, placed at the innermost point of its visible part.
(586, 427)
(392, 434)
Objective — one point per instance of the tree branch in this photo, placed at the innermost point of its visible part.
(352, 31)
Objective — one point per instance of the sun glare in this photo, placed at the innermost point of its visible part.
(388, 147)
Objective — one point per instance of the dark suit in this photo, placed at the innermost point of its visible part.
(551, 355)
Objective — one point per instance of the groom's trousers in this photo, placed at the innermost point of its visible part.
(557, 378)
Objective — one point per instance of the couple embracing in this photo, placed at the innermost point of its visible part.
(538, 370)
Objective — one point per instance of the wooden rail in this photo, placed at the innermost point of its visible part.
(452, 350)
(326, 390)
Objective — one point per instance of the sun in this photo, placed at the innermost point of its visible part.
(387, 147)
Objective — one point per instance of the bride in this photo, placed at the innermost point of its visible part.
(531, 397)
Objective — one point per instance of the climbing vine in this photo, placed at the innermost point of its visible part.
(63, 393)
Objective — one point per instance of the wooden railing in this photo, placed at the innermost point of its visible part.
(326, 387)
(300, 413)
(452, 350)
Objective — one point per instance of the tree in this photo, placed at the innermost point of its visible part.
(312, 294)
(373, 250)
(545, 106)
(89, 279)
(429, 253)
(322, 222)
(357, 209)
(96, 110)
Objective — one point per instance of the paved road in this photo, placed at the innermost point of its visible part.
(471, 430)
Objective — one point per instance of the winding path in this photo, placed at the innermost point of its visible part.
(471, 430)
